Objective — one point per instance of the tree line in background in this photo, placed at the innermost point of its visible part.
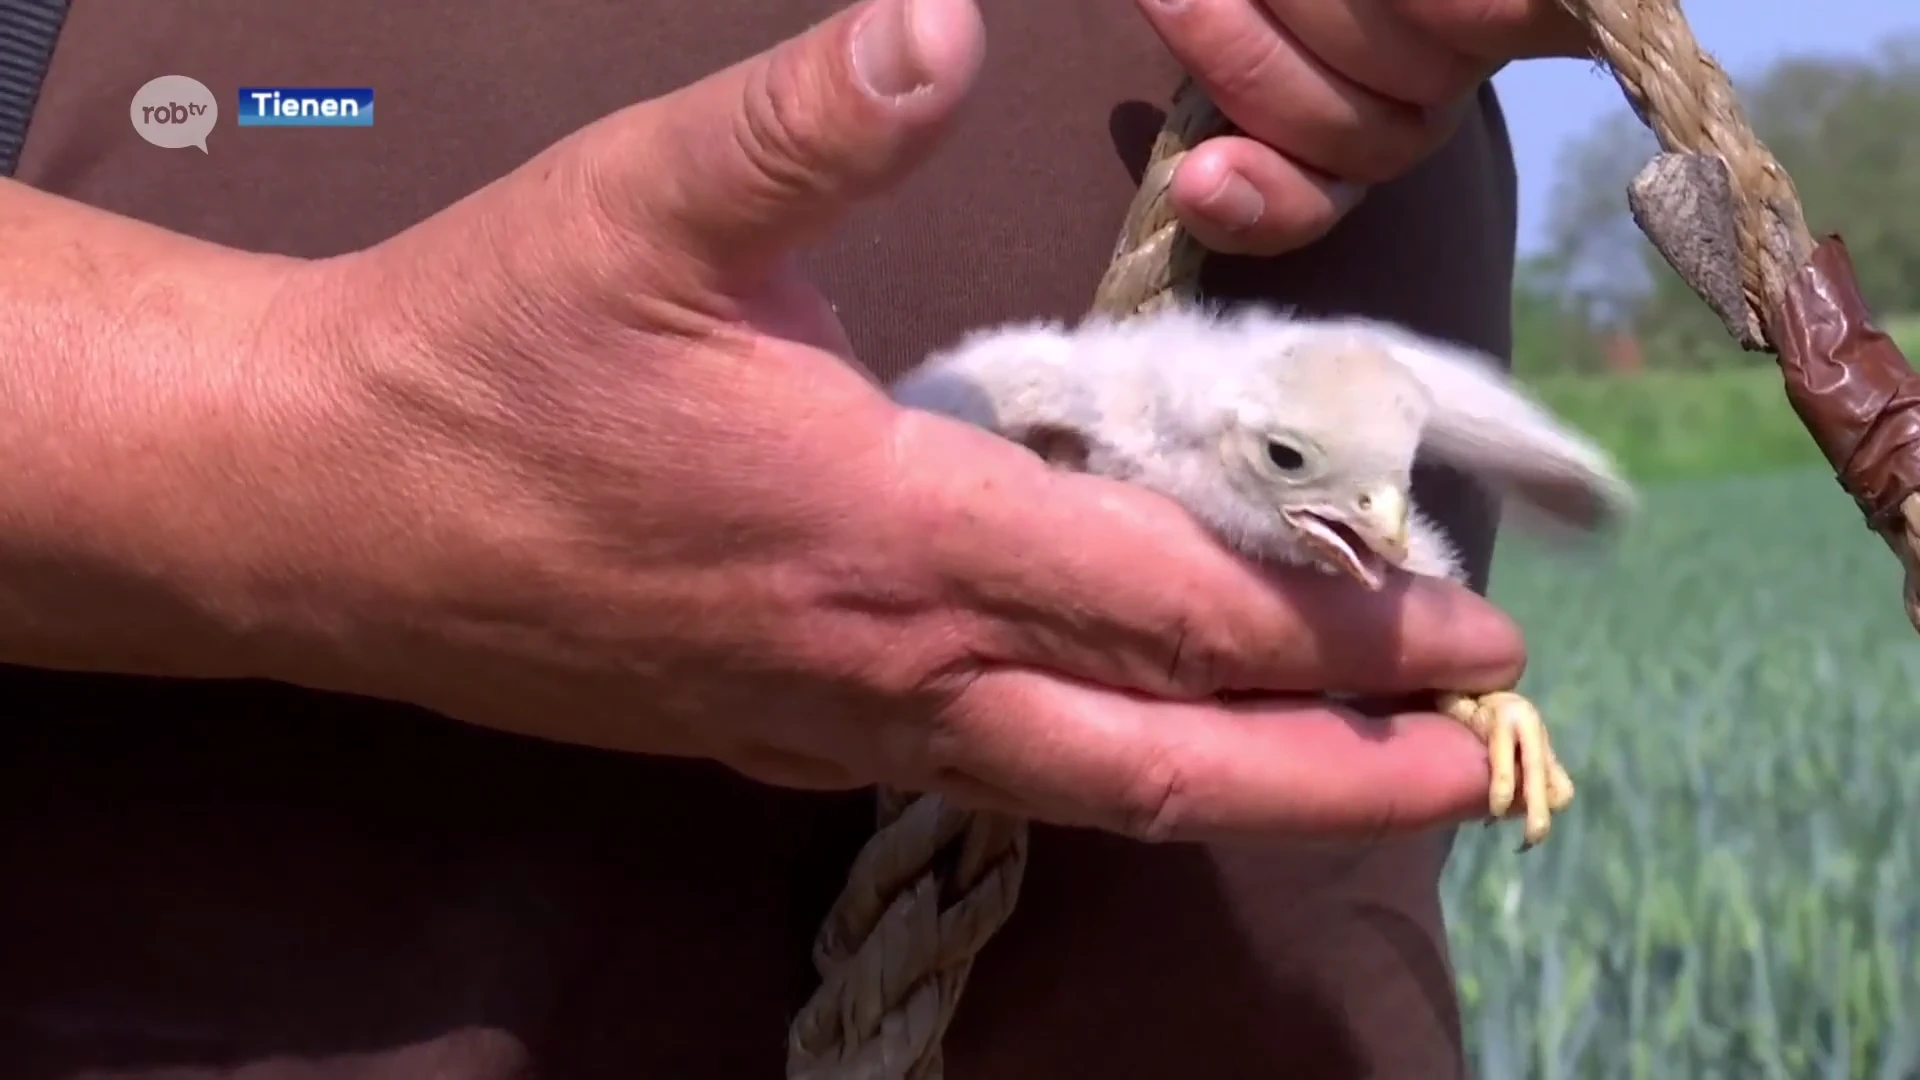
(1597, 298)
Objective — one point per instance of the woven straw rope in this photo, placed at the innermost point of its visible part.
(935, 882)
(1678, 91)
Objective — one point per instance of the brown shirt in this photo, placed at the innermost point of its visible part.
(244, 879)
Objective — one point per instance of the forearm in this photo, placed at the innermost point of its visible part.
(134, 396)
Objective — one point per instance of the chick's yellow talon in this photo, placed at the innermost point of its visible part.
(1511, 728)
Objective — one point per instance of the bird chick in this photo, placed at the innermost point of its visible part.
(1294, 440)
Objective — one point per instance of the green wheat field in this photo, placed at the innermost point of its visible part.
(1736, 890)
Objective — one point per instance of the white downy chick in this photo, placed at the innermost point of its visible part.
(1294, 439)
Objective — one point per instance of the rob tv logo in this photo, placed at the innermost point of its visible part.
(306, 106)
(174, 112)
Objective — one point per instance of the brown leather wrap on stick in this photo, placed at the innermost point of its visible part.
(1725, 215)
(936, 882)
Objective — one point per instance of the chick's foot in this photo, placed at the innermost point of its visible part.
(1508, 723)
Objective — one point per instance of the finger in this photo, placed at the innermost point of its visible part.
(736, 170)
(1278, 93)
(1380, 47)
(1112, 583)
(1239, 197)
(1498, 31)
(1075, 754)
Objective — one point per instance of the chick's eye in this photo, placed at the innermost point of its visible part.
(1284, 455)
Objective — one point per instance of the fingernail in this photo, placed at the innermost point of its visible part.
(1345, 196)
(888, 55)
(1235, 203)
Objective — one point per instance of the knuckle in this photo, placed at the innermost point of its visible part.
(588, 173)
(1155, 803)
(945, 738)
(1248, 71)
(783, 127)
(1199, 662)
(1380, 827)
(1338, 127)
(1225, 44)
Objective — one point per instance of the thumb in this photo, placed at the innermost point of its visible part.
(734, 171)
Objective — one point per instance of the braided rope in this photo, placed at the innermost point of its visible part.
(936, 882)
(1684, 97)
(1687, 101)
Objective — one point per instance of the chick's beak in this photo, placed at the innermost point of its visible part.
(1380, 519)
(1359, 538)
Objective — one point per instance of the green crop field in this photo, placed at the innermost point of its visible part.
(1667, 425)
(1736, 890)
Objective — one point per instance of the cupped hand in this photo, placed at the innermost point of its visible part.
(1332, 96)
(606, 473)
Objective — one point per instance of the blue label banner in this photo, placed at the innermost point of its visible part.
(306, 106)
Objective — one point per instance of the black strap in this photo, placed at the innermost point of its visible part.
(28, 29)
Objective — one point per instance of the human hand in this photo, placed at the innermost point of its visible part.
(607, 474)
(1331, 96)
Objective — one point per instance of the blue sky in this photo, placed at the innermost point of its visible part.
(1549, 102)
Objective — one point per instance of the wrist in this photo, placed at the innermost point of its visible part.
(154, 405)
